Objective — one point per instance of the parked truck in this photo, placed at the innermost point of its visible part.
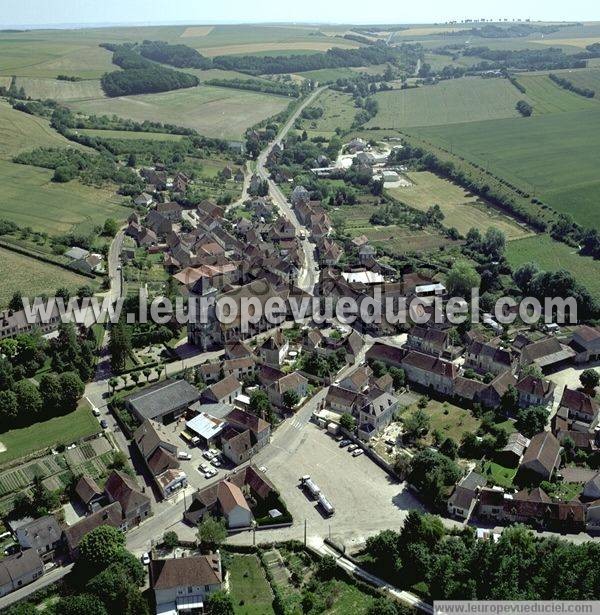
(310, 486)
(326, 505)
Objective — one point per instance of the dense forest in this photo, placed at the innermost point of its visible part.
(551, 58)
(180, 56)
(406, 55)
(140, 75)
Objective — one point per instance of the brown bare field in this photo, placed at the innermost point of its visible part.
(193, 31)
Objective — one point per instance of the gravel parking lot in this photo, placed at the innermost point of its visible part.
(365, 498)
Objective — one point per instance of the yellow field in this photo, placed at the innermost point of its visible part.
(196, 31)
(258, 47)
(461, 209)
(426, 31)
(573, 42)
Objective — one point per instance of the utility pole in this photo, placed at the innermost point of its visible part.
(305, 532)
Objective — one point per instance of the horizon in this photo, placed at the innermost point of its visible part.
(69, 14)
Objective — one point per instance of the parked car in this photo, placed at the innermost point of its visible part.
(344, 443)
(96, 412)
(217, 462)
(12, 549)
(183, 455)
(204, 467)
(208, 455)
(357, 452)
(104, 423)
(352, 447)
(145, 559)
(211, 473)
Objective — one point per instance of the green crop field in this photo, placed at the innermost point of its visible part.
(552, 255)
(31, 277)
(548, 97)
(60, 90)
(29, 198)
(460, 100)
(214, 112)
(461, 209)
(554, 156)
(62, 429)
(129, 134)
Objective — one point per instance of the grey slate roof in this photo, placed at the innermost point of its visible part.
(162, 398)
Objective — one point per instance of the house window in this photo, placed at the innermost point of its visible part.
(190, 590)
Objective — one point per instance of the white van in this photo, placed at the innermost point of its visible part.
(184, 455)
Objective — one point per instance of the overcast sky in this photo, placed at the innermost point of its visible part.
(46, 12)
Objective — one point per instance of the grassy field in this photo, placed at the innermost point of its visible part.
(29, 198)
(551, 255)
(21, 132)
(338, 112)
(60, 90)
(449, 102)
(214, 112)
(250, 592)
(499, 475)
(449, 419)
(554, 156)
(128, 134)
(61, 429)
(547, 97)
(461, 209)
(32, 277)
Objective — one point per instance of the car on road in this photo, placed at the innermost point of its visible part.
(104, 424)
(344, 443)
(263, 469)
(352, 447)
(145, 559)
(357, 452)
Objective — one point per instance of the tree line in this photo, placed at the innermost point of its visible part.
(551, 58)
(268, 87)
(454, 564)
(571, 87)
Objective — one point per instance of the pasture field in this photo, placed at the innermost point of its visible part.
(61, 429)
(22, 132)
(461, 209)
(469, 99)
(29, 198)
(32, 277)
(552, 255)
(129, 134)
(338, 112)
(547, 97)
(215, 112)
(554, 156)
(55, 89)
